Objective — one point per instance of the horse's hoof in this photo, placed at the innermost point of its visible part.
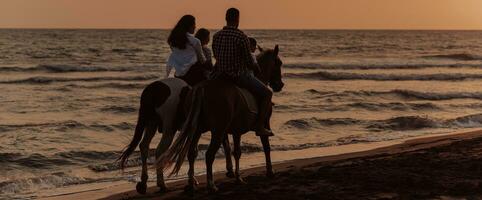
(163, 189)
(141, 188)
(190, 189)
(240, 181)
(195, 181)
(212, 189)
(270, 174)
(230, 174)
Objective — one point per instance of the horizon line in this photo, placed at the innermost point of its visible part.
(267, 29)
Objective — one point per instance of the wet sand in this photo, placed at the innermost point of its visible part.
(437, 167)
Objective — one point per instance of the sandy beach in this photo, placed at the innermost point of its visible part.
(436, 167)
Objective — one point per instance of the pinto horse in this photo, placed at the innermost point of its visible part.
(161, 109)
(218, 106)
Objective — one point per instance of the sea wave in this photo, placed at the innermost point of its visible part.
(402, 123)
(127, 50)
(115, 85)
(47, 80)
(24, 188)
(119, 109)
(43, 182)
(459, 56)
(396, 106)
(436, 96)
(53, 68)
(405, 94)
(338, 76)
(65, 126)
(384, 66)
(57, 160)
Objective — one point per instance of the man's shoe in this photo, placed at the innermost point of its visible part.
(264, 132)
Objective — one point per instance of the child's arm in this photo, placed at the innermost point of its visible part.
(199, 51)
(168, 71)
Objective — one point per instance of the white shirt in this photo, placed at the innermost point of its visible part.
(183, 59)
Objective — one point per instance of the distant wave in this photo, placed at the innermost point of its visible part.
(315, 122)
(461, 56)
(75, 68)
(35, 161)
(65, 126)
(417, 122)
(338, 76)
(385, 66)
(119, 109)
(127, 50)
(403, 123)
(47, 80)
(397, 106)
(88, 155)
(436, 96)
(106, 85)
(410, 94)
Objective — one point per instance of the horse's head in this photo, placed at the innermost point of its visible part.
(270, 65)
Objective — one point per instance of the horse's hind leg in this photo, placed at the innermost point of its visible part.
(192, 155)
(217, 138)
(237, 156)
(166, 140)
(229, 162)
(144, 147)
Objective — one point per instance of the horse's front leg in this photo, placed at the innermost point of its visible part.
(237, 157)
(141, 187)
(229, 162)
(166, 140)
(267, 155)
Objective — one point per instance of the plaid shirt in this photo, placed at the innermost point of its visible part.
(231, 51)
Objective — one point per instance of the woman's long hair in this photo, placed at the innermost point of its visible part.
(178, 37)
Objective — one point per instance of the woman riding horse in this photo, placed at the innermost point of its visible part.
(161, 101)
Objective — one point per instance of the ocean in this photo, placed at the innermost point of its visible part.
(69, 98)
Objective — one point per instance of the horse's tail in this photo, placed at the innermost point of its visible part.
(178, 151)
(146, 113)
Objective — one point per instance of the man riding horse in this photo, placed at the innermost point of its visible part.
(231, 49)
(214, 105)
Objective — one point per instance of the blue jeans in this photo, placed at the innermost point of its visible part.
(261, 92)
(253, 85)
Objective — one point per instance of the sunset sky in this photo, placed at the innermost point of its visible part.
(255, 14)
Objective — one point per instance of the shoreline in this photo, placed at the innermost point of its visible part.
(126, 190)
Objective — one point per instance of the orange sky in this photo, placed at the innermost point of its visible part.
(268, 14)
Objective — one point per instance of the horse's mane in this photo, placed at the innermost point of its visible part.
(265, 54)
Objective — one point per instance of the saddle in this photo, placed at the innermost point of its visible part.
(249, 99)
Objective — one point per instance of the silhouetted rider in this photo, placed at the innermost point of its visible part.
(231, 49)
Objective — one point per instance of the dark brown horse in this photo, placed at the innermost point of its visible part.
(219, 107)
